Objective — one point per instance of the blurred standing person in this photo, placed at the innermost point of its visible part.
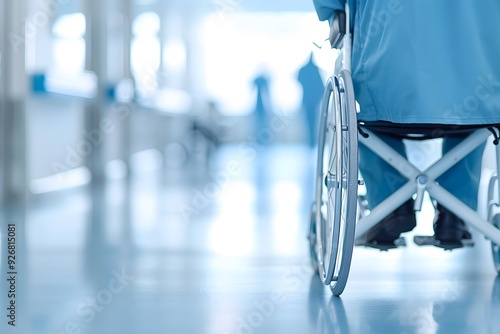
(262, 114)
(310, 79)
(312, 92)
(262, 105)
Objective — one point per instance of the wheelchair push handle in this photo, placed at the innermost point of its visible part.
(338, 29)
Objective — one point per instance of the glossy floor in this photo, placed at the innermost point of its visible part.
(187, 252)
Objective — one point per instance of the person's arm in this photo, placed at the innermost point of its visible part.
(326, 8)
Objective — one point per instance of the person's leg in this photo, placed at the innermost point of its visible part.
(381, 181)
(462, 180)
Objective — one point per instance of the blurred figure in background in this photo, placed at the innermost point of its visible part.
(205, 137)
(312, 88)
(262, 114)
(262, 109)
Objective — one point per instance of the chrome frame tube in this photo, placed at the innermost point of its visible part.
(397, 161)
(389, 155)
(456, 154)
(465, 213)
(390, 204)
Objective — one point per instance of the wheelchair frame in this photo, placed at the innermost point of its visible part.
(333, 229)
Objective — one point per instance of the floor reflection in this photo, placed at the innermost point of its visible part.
(327, 315)
(232, 266)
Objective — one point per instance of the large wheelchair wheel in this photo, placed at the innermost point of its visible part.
(333, 219)
(494, 217)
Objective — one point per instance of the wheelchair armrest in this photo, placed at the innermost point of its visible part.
(338, 29)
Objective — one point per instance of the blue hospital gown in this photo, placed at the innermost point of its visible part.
(425, 61)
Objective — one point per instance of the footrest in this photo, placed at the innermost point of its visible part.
(425, 240)
(401, 242)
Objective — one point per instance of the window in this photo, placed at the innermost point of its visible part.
(69, 43)
(240, 46)
(145, 57)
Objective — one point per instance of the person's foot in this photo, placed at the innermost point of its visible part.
(389, 229)
(448, 228)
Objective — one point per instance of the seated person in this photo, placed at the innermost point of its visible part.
(425, 61)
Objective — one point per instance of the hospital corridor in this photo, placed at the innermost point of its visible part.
(158, 165)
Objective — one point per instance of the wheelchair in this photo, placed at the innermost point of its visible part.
(338, 217)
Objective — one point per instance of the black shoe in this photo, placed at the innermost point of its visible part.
(448, 228)
(389, 229)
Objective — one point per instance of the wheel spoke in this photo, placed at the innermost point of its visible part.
(336, 192)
